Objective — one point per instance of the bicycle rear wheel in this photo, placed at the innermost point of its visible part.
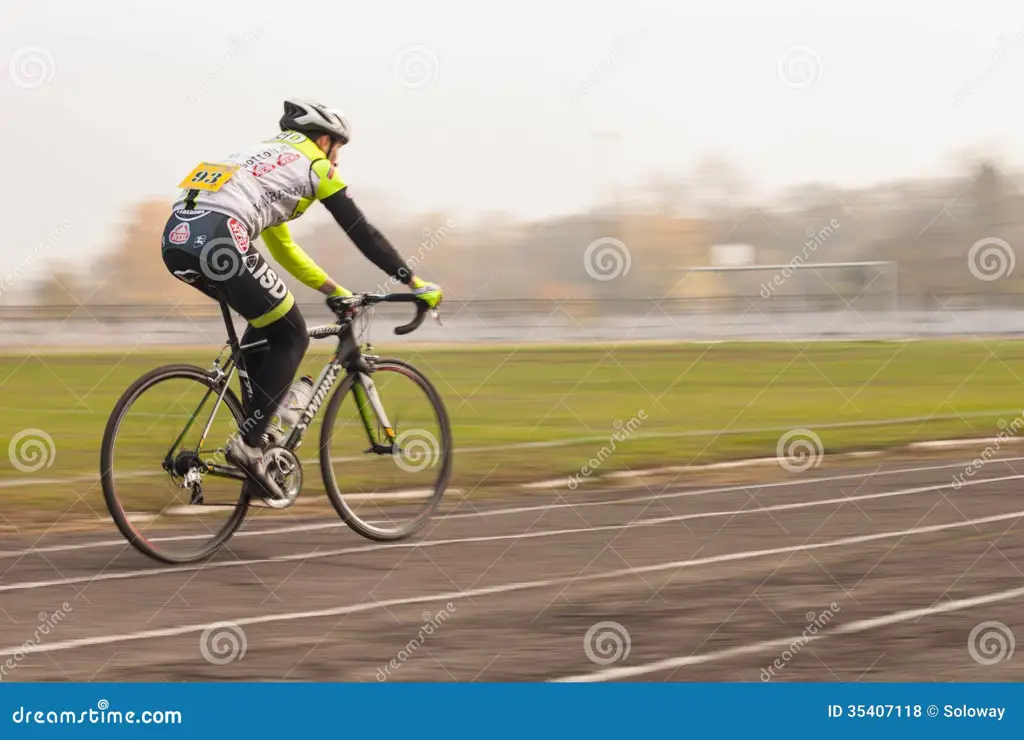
(158, 423)
(390, 491)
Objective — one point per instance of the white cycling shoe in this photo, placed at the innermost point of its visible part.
(253, 462)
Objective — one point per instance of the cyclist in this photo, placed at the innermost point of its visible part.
(209, 243)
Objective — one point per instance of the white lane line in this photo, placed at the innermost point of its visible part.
(706, 491)
(651, 522)
(319, 526)
(849, 628)
(499, 589)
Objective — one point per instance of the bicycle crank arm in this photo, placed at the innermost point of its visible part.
(225, 471)
(378, 449)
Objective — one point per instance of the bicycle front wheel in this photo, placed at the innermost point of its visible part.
(155, 465)
(393, 479)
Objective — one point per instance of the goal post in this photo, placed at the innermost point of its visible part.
(871, 286)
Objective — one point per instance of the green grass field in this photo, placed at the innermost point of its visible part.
(498, 397)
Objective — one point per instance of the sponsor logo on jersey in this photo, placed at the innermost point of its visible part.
(286, 158)
(179, 234)
(187, 276)
(189, 214)
(251, 261)
(268, 279)
(239, 235)
(200, 240)
(292, 136)
(274, 196)
(262, 168)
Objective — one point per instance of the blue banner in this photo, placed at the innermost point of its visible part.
(485, 711)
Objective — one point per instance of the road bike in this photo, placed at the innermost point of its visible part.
(174, 496)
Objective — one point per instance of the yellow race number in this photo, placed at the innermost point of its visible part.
(208, 176)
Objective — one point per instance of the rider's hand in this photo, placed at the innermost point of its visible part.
(430, 293)
(338, 300)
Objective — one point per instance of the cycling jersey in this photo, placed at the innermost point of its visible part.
(266, 185)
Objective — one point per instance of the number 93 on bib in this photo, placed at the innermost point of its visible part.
(208, 176)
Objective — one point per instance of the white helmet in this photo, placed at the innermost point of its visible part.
(314, 120)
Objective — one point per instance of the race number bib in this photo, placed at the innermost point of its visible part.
(208, 176)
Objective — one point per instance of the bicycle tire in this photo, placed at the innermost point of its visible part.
(331, 484)
(134, 537)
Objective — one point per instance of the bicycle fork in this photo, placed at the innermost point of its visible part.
(370, 406)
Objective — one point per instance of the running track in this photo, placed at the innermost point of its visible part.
(706, 579)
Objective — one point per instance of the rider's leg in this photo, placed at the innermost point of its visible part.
(272, 371)
(202, 249)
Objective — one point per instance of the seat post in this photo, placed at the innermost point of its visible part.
(226, 313)
(236, 353)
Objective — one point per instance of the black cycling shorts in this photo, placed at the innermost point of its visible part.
(213, 253)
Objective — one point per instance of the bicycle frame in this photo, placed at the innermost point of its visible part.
(347, 357)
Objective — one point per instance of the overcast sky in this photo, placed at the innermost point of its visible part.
(470, 106)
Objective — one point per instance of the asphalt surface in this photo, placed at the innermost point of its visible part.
(865, 570)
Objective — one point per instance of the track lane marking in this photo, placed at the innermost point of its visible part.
(320, 554)
(319, 526)
(849, 628)
(498, 589)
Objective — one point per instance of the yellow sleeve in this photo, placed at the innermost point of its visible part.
(291, 256)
